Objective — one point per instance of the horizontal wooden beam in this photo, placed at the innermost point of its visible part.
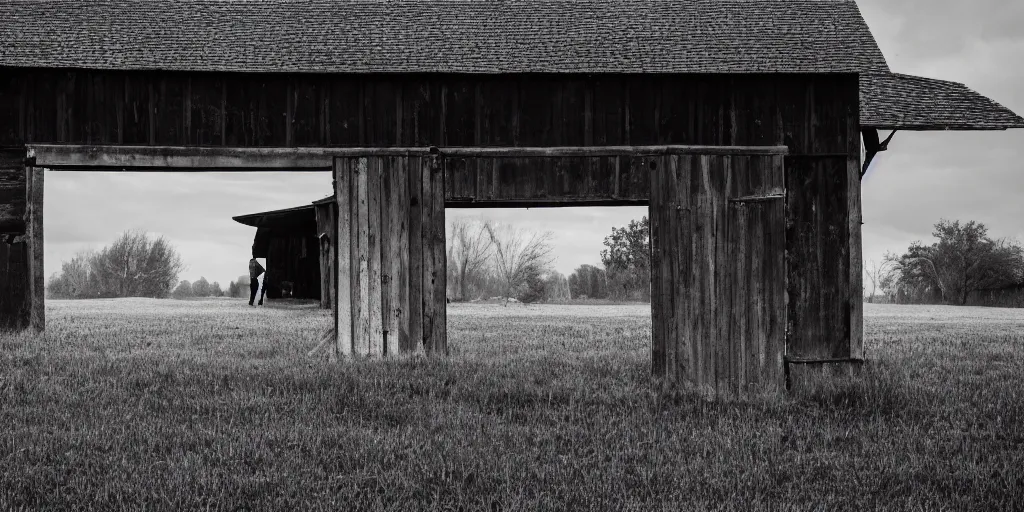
(543, 203)
(178, 158)
(182, 158)
(599, 151)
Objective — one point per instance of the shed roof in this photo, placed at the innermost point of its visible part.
(905, 102)
(300, 217)
(447, 36)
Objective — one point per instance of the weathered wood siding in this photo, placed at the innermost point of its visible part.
(718, 272)
(816, 116)
(15, 303)
(12, 191)
(390, 263)
(15, 297)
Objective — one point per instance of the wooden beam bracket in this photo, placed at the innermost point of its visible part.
(872, 146)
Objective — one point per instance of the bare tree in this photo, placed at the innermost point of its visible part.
(468, 251)
(878, 274)
(518, 255)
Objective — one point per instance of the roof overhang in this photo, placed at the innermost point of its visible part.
(298, 218)
(893, 101)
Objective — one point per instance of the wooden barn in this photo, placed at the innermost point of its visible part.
(741, 123)
(288, 240)
(297, 243)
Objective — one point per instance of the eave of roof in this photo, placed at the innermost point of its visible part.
(264, 219)
(893, 101)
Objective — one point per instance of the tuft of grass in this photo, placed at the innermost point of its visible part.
(212, 404)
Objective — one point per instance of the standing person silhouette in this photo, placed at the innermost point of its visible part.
(255, 269)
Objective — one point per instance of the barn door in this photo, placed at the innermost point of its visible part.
(718, 271)
(390, 255)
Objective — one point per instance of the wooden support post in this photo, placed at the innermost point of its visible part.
(342, 257)
(440, 277)
(360, 260)
(853, 197)
(426, 242)
(34, 233)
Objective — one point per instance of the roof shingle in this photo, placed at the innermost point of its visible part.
(448, 36)
(897, 101)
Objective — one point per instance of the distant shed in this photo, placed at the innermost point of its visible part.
(288, 240)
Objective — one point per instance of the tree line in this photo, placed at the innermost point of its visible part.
(962, 260)
(135, 265)
(486, 260)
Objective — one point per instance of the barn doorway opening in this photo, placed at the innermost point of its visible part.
(160, 255)
(548, 282)
(595, 255)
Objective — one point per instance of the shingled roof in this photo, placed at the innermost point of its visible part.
(450, 36)
(905, 102)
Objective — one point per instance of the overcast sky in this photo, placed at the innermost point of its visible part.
(922, 178)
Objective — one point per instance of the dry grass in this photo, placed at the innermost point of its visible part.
(185, 405)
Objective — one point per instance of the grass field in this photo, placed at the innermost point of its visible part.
(213, 404)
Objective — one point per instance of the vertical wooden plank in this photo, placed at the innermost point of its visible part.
(747, 283)
(655, 212)
(344, 109)
(305, 101)
(11, 86)
(723, 170)
(427, 254)
(856, 219)
(37, 290)
(206, 114)
(136, 110)
(703, 274)
(440, 275)
(704, 277)
(361, 233)
(415, 278)
(381, 119)
(387, 253)
(169, 114)
(15, 298)
(13, 191)
(373, 225)
(400, 229)
(778, 335)
(683, 287)
(736, 311)
(343, 324)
